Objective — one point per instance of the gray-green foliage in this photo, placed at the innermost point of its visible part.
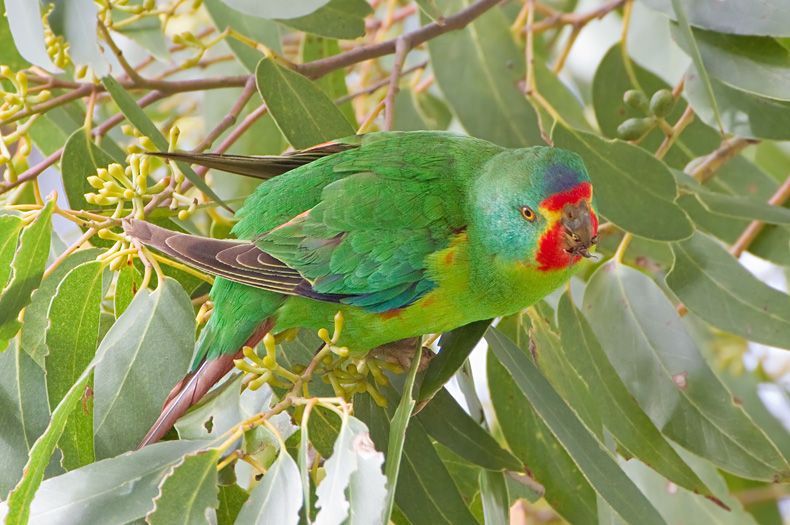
(605, 400)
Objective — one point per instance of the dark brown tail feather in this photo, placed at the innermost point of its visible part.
(259, 167)
(195, 385)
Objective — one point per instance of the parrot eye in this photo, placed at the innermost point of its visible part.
(527, 213)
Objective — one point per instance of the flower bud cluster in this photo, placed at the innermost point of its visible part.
(656, 110)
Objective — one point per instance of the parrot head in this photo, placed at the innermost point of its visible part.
(536, 206)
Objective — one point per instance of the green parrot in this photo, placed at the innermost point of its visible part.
(405, 233)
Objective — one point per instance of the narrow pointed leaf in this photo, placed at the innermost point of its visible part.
(662, 368)
(304, 114)
(629, 425)
(397, 436)
(24, 413)
(713, 285)
(138, 369)
(231, 499)
(9, 235)
(544, 458)
(495, 500)
(598, 465)
(126, 287)
(24, 19)
(28, 269)
(34, 331)
(81, 158)
(111, 492)
(448, 423)
(188, 491)
(454, 347)
(72, 338)
(689, 43)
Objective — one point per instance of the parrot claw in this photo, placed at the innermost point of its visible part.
(402, 353)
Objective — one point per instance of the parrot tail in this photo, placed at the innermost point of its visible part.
(195, 385)
(263, 167)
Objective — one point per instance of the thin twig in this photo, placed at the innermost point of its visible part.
(674, 132)
(575, 19)
(402, 48)
(229, 119)
(728, 149)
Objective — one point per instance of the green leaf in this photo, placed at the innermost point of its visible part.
(27, 28)
(140, 120)
(275, 8)
(277, 498)
(755, 64)
(110, 492)
(455, 346)
(28, 266)
(338, 19)
(11, 56)
(76, 21)
(767, 17)
(353, 454)
(231, 498)
(304, 114)
(479, 69)
(597, 464)
(367, 490)
(257, 29)
(717, 288)
(425, 491)
(334, 82)
(466, 477)
(545, 459)
(618, 168)
(9, 234)
(629, 425)
(610, 111)
(81, 158)
(34, 331)
(495, 499)
(127, 285)
(397, 435)
(448, 423)
(188, 491)
(686, 40)
(678, 505)
(73, 326)
(662, 368)
(139, 372)
(24, 413)
(741, 207)
(324, 426)
(742, 113)
(72, 338)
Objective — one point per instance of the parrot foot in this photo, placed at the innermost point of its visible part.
(402, 353)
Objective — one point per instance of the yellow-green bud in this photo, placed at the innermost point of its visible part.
(95, 181)
(662, 103)
(636, 99)
(634, 128)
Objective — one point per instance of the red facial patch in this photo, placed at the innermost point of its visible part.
(558, 200)
(551, 253)
(551, 250)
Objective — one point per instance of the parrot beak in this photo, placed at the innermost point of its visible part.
(579, 237)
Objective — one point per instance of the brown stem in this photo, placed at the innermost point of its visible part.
(754, 228)
(728, 149)
(674, 132)
(229, 119)
(575, 19)
(402, 48)
(459, 20)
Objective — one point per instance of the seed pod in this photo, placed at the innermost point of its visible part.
(634, 128)
(662, 103)
(636, 99)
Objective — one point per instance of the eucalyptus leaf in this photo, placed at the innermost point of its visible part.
(278, 496)
(338, 19)
(275, 8)
(27, 28)
(662, 368)
(27, 271)
(188, 491)
(713, 285)
(76, 21)
(742, 18)
(304, 114)
(139, 367)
